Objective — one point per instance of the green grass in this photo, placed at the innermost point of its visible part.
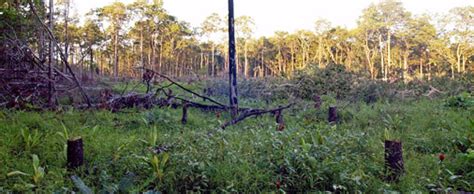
(310, 155)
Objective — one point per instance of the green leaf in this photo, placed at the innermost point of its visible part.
(15, 173)
(35, 162)
(164, 160)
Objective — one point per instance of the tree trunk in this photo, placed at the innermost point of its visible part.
(153, 58)
(66, 34)
(429, 71)
(142, 64)
(381, 56)
(463, 66)
(389, 54)
(246, 62)
(421, 68)
(262, 68)
(232, 66)
(116, 57)
(320, 52)
(91, 54)
(42, 43)
(369, 61)
(213, 53)
(458, 57)
(201, 61)
(161, 55)
(51, 58)
(405, 67)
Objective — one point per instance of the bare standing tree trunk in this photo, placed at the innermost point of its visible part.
(142, 64)
(41, 36)
(232, 66)
(91, 66)
(381, 56)
(246, 62)
(213, 60)
(389, 54)
(458, 57)
(421, 68)
(66, 32)
(116, 68)
(51, 57)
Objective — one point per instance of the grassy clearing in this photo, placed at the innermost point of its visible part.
(309, 155)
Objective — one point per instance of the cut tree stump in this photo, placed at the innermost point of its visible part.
(75, 153)
(184, 119)
(279, 120)
(332, 114)
(393, 160)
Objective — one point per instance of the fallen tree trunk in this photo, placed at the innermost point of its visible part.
(254, 112)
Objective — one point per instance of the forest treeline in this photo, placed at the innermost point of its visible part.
(119, 39)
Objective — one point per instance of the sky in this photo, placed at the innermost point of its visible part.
(283, 15)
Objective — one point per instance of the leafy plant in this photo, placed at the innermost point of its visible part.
(30, 139)
(158, 163)
(38, 171)
(463, 100)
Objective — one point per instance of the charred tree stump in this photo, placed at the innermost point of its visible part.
(332, 114)
(393, 160)
(75, 153)
(279, 120)
(184, 119)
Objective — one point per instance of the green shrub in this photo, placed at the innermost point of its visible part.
(463, 100)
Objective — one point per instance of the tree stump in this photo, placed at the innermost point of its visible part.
(279, 120)
(393, 160)
(332, 114)
(75, 153)
(184, 119)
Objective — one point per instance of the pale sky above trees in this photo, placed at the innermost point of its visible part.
(283, 15)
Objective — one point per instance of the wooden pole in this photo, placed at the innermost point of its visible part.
(232, 66)
(75, 153)
(393, 160)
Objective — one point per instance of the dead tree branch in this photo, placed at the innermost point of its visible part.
(61, 53)
(186, 89)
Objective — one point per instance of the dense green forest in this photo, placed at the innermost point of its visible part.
(128, 98)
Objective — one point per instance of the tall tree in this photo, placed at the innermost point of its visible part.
(211, 26)
(244, 26)
(115, 14)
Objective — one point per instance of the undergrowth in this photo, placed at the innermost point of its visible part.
(137, 150)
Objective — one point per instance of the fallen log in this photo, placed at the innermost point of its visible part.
(253, 112)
